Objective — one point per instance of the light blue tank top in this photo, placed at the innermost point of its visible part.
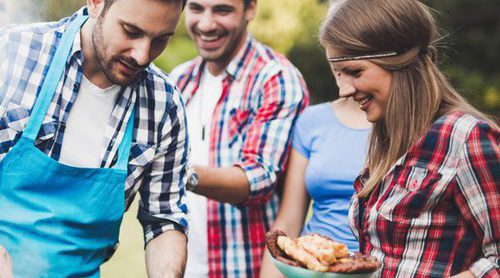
(336, 154)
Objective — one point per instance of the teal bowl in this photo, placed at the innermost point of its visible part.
(298, 272)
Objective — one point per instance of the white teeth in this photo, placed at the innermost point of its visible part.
(209, 38)
(363, 101)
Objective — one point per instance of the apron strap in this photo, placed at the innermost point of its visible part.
(52, 78)
(124, 148)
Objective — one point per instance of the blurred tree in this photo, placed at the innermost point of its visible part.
(285, 23)
(472, 58)
(56, 9)
(294, 32)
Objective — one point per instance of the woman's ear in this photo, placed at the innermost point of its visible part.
(94, 7)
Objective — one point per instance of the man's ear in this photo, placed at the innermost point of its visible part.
(251, 10)
(95, 7)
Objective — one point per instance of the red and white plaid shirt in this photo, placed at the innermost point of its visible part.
(262, 96)
(437, 212)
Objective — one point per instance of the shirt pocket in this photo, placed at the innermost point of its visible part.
(410, 193)
(14, 123)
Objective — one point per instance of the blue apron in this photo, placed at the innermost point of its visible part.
(57, 220)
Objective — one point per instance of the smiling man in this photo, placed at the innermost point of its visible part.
(242, 101)
(86, 122)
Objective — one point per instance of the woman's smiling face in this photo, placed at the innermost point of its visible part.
(367, 83)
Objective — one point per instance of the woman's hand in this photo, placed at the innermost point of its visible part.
(5, 264)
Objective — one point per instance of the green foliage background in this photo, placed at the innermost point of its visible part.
(471, 58)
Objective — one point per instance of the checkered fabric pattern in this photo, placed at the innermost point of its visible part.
(262, 96)
(436, 213)
(158, 153)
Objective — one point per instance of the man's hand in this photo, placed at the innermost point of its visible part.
(166, 255)
(5, 264)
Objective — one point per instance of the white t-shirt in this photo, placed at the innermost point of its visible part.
(86, 125)
(200, 111)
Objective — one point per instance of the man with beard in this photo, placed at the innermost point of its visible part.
(86, 122)
(242, 101)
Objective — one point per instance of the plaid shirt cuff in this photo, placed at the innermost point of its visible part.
(155, 226)
(485, 268)
(154, 230)
(261, 184)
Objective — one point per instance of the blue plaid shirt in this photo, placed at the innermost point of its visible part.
(158, 154)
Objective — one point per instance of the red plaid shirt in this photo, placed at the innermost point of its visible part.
(262, 96)
(436, 213)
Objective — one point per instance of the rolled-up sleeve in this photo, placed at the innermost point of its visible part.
(283, 96)
(163, 205)
(478, 176)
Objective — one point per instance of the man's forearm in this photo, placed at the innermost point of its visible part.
(166, 255)
(229, 184)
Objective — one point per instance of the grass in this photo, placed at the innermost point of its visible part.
(128, 261)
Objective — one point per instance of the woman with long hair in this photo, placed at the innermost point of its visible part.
(428, 202)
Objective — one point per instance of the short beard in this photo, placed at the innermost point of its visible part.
(105, 62)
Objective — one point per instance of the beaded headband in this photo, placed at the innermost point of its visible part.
(362, 57)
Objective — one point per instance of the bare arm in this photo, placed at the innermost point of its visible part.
(166, 255)
(228, 184)
(293, 208)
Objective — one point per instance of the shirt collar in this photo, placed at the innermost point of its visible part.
(76, 50)
(234, 68)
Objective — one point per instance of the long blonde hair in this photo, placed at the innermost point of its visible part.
(420, 93)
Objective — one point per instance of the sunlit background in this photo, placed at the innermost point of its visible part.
(471, 59)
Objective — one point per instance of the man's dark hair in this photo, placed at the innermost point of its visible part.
(246, 3)
(108, 3)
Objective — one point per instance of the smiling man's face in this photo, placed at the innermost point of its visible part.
(218, 27)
